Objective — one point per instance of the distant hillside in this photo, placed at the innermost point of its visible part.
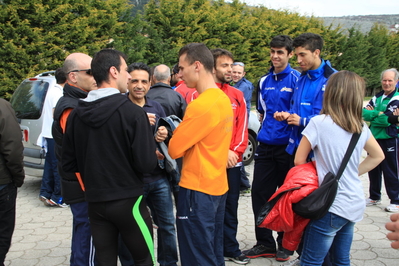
(364, 23)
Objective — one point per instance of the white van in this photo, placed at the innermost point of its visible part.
(27, 101)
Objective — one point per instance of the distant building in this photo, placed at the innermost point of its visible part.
(394, 28)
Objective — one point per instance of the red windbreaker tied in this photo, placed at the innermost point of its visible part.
(282, 218)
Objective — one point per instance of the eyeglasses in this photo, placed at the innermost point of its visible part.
(88, 71)
(238, 64)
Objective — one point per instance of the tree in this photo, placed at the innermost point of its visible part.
(354, 53)
(377, 38)
(37, 35)
(132, 38)
(393, 50)
(172, 24)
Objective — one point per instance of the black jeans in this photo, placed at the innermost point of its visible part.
(8, 196)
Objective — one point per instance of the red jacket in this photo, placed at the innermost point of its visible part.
(239, 139)
(282, 218)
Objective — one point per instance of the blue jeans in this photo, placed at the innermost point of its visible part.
(329, 233)
(51, 181)
(200, 228)
(159, 199)
(244, 179)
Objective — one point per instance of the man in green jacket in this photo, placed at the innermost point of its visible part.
(378, 112)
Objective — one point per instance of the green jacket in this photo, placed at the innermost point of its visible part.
(378, 118)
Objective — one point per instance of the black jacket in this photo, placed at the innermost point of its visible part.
(11, 148)
(110, 143)
(172, 102)
(70, 187)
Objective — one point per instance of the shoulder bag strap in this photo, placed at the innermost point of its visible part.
(348, 154)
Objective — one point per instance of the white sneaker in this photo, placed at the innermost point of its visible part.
(370, 202)
(295, 262)
(392, 208)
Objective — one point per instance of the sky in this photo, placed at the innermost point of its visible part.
(329, 8)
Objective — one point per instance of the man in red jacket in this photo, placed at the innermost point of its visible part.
(223, 75)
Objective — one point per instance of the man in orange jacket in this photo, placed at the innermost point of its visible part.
(203, 138)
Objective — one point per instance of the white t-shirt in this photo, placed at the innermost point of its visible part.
(52, 97)
(329, 143)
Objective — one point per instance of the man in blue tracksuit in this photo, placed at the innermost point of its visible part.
(272, 162)
(241, 83)
(308, 94)
(247, 88)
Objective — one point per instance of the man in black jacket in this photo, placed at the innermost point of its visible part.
(108, 140)
(79, 83)
(12, 173)
(172, 102)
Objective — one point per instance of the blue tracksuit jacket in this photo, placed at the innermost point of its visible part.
(274, 94)
(308, 99)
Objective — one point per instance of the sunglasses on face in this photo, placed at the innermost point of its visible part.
(88, 71)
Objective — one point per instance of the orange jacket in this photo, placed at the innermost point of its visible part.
(203, 138)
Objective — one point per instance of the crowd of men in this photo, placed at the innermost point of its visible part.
(108, 168)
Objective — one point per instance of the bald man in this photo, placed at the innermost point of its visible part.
(79, 82)
(172, 102)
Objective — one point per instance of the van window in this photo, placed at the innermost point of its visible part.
(28, 99)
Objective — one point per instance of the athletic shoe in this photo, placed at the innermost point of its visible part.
(370, 202)
(282, 254)
(51, 203)
(242, 259)
(42, 198)
(260, 251)
(62, 205)
(392, 208)
(295, 262)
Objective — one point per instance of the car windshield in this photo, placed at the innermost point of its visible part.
(28, 99)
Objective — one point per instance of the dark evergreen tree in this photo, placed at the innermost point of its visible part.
(377, 38)
(354, 53)
(393, 50)
(37, 35)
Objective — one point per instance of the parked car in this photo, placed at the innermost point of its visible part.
(253, 128)
(27, 101)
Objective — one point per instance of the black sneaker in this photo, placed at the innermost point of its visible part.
(260, 251)
(242, 259)
(283, 254)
